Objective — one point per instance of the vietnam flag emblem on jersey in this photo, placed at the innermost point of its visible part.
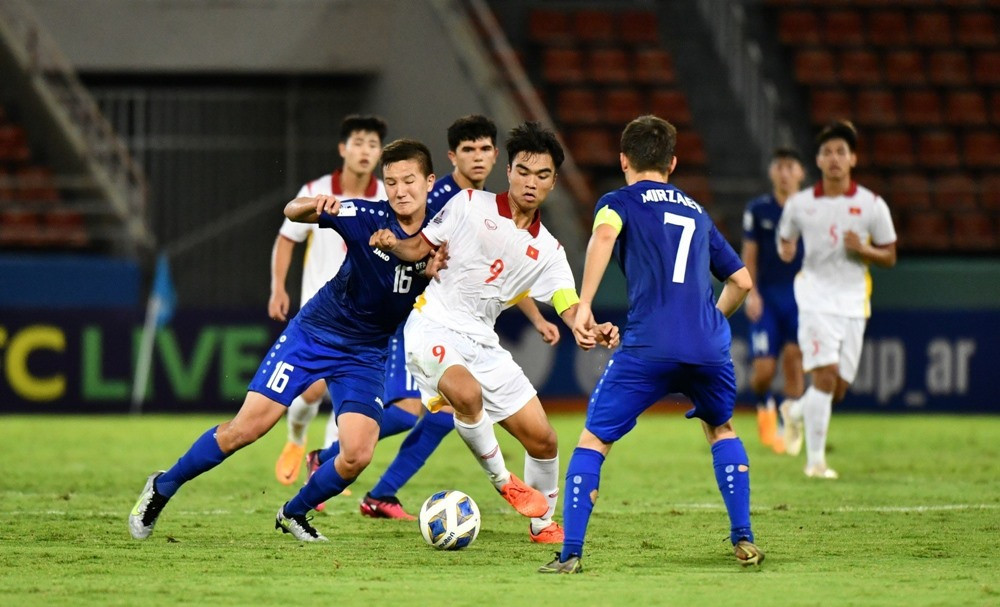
(532, 252)
(854, 210)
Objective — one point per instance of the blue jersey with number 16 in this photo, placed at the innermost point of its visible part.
(669, 248)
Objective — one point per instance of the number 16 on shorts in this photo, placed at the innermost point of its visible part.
(279, 378)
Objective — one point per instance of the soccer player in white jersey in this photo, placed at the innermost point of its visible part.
(360, 146)
(498, 253)
(844, 228)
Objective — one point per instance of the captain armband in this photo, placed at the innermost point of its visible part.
(608, 216)
(564, 299)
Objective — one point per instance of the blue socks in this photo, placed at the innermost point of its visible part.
(203, 455)
(418, 445)
(732, 472)
(582, 479)
(394, 421)
(323, 485)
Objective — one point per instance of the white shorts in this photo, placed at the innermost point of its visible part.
(827, 339)
(432, 348)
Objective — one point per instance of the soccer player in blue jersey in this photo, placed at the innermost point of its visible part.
(473, 153)
(676, 338)
(341, 336)
(770, 306)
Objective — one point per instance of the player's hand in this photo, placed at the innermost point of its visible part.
(384, 240)
(438, 261)
(277, 305)
(583, 326)
(852, 242)
(754, 306)
(607, 334)
(327, 204)
(548, 331)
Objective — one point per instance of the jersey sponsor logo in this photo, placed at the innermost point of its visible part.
(378, 401)
(490, 225)
(532, 252)
(491, 454)
(854, 210)
(380, 253)
(439, 218)
(670, 196)
(347, 209)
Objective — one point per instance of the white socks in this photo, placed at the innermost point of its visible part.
(300, 413)
(816, 409)
(482, 441)
(332, 431)
(543, 474)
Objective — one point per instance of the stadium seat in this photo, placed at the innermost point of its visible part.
(550, 26)
(892, 149)
(921, 107)
(799, 28)
(965, 108)
(639, 27)
(909, 191)
(937, 150)
(815, 67)
(989, 192)
(20, 228)
(607, 66)
(932, 28)
(691, 149)
(562, 66)
(653, 66)
(594, 146)
(982, 149)
(595, 26)
(695, 185)
(888, 28)
(36, 184)
(904, 67)
(65, 227)
(926, 230)
(995, 107)
(829, 104)
(13, 144)
(986, 68)
(974, 231)
(976, 29)
(948, 68)
(860, 67)
(671, 105)
(577, 106)
(621, 106)
(844, 28)
(954, 191)
(871, 179)
(876, 107)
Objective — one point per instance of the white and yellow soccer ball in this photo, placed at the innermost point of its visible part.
(449, 520)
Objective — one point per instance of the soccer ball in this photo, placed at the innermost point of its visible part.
(449, 520)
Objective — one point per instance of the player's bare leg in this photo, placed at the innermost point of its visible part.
(300, 414)
(732, 473)
(465, 394)
(531, 427)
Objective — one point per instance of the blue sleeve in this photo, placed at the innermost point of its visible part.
(352, 223)
(750, 222)
(724, 260)
(615, 203)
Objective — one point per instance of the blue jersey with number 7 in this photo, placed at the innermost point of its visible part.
(669, 248)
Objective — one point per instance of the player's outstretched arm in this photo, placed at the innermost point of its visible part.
(308, 210)
(735, 291)
(411, 249)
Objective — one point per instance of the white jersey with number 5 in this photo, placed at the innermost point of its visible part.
(832, 281)
(325, 250)
(492, 265)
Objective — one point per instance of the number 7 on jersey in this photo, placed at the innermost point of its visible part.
(684, 246)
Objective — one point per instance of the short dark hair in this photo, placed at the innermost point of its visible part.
(471, 128)
(533, 138)
(368, 123)
(649, 143)
(786, 153)
(408, 149)
(839, 129)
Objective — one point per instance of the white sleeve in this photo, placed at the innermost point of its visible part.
(883, 232)
(441, 227)
(294, 231)
(787, 228)
(556, 276)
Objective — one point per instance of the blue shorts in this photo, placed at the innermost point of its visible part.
(778, 324)
(399, 384)
(630, 385)
(354, 376)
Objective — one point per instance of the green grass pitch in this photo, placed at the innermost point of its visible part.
(914, 520)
